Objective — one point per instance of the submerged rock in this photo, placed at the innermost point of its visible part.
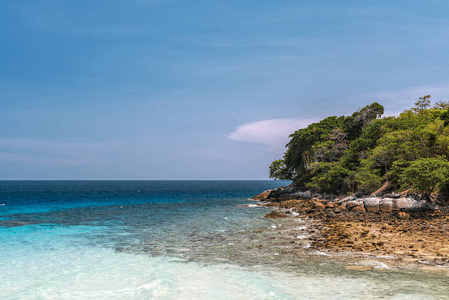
(275, 215)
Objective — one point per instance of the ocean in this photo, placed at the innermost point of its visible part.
(173, 240)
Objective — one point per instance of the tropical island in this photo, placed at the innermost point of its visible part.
(379, 186)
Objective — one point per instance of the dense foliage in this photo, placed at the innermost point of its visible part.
(363, 151)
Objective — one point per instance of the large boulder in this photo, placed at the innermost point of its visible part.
(277, 193)
(355, 205)
(408, 204)
(371, 204)
(388, 205)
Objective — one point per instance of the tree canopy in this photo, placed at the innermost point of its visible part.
(363, 151)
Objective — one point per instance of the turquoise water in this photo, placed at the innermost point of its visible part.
(171, 240)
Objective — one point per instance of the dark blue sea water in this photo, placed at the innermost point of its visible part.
(170, 240)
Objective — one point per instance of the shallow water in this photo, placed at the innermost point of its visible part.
(172, 240)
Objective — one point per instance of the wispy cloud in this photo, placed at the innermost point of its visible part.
(274, 133)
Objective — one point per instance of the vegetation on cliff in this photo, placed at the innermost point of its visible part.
(362, 152)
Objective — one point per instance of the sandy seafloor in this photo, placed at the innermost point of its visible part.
(175, 240)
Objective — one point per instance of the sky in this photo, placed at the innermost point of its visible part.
(193, 90)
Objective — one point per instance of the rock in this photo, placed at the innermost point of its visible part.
(275, 215)
(301, 195)
(262, 196)
(392, 195)
(319, 205)
(332, 197)
(410, 204)
(342, 206)
(371, 204)
(351, 205)
(421, 206)
(276, 193)
(286, 197)
(387, 205)
(403, 216)
(405, 203)
(346, 199)
(331, 214)
(358, 208)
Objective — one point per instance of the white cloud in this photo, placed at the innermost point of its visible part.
(274, 133)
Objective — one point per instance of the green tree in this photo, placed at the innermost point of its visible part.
(367, 177)
(424, 175)
(422, 103)
(368, 180)
(445, 117)
(330, 178)
(279, 171)
(442, 105)
(368, 114)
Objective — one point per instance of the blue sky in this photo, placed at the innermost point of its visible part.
(166, 89)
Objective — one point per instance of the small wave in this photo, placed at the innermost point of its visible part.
(300, 228)
(375, 264)
(251, 205)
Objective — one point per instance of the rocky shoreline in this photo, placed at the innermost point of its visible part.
(400, 227)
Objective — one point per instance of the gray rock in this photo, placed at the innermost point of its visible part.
(371, 204)
(410, 204)
(406, 203)
(346, 199)
(422, 205)
(388, 205)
